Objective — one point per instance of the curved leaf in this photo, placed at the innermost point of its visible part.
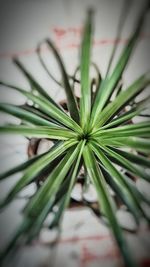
(71, 100)
(34, 84)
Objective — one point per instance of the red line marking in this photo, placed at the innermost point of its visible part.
(59, 31)
(86, 238)
(93, 237)
(88, 256)
(70, 45)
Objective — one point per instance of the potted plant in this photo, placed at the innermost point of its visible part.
(91, 133)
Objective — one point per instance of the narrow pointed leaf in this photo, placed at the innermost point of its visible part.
(118, 178)
(137, 159)
(124, 162)
(127, 116)
(11, 245)
(45, 67)
(47, 107)
(85, 102)
(65, 200)
(122, 100)
(39, 131)
(35, 168)
(121, 194)
(71, 100)
(25, 115)
(37, 221)
(52, 183)
(97, 82)
(140, 196)
(138, 129)
(122, 18)
(124, 118)
(110, 83)
(21, 167)
(105, 202)
(34, 84)
(41, 114)
(139, 144)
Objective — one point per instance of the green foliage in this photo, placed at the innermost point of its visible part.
(94, 133)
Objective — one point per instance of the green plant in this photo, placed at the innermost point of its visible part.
(93, 135)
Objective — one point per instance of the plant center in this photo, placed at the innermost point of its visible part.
(84, 136)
